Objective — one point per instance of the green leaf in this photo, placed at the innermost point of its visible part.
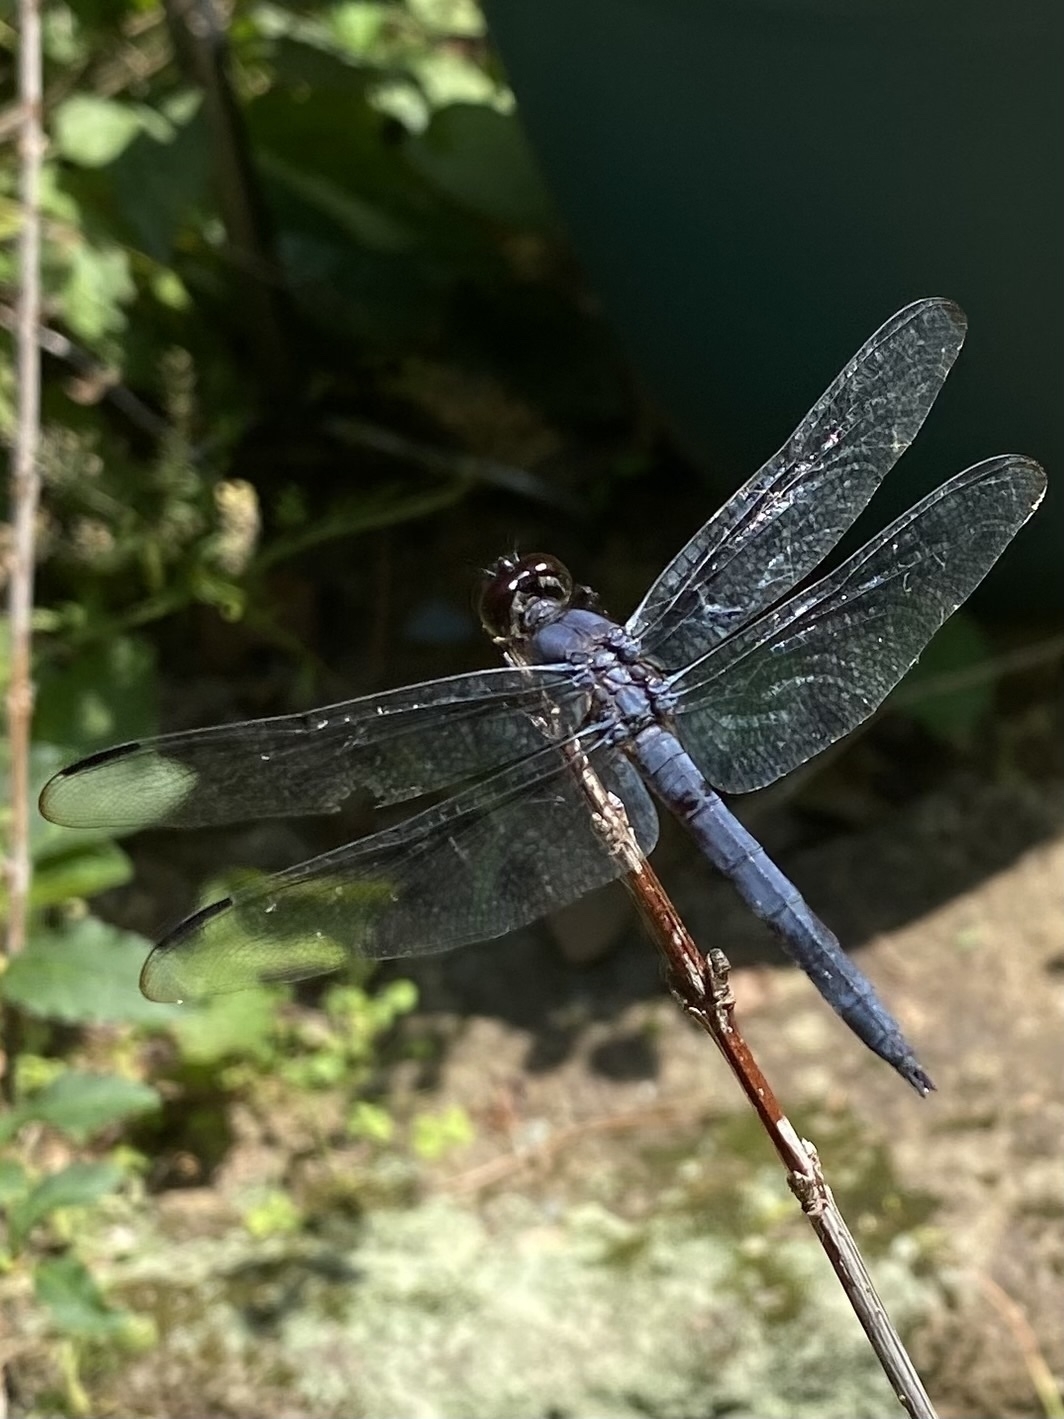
(371, 1122)
(64, 1285)
(80, 872)
(273, 1215)
(364, 222)
(433, 1135)
(945, 691)
(80, 1104)
(86, 972)
(73, 1186)
(480, 159)
(104, 695)
(161, 182)
(449, 18)
(13, 1178)
(448, 76)
(356, 26)
(92, 131)
(98, 285)
(242, 1025)
(10, 1123)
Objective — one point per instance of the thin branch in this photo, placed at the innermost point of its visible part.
(979, 673)
(1042, 1377)
(701, 986)
(89, 367)
(121, 69)
(471, 467)
(25, 474)
(202, 51)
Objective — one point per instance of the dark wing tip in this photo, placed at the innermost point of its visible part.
(103, 756)
(161, 976)
(54, 788)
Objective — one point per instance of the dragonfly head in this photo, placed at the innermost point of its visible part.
(521, 594)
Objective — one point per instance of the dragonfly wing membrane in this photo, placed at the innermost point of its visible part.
(392, 747)
(485, 862)
(809, 672)
(784, 521)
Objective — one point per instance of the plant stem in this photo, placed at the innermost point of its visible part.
(25, 473)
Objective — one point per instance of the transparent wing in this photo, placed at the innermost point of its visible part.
(807, 673)
(392, 746)
(490, 859)
(780, 525)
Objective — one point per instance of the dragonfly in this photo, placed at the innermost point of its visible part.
(724, 679)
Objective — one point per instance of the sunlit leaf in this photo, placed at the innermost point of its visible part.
(449, 17)
(273, 1215)
(73, 1186)
(81, 1104)
(240, 1025)
(13, 1178)
(92, 131)
(449, 76)
(434, 1134)
(98, 286)
(370, 1121)
(84, 871)
(64, 1285)
(357, 25)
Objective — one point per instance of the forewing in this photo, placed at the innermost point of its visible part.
(779, 526)
(392, 746)
(810, 671)
(486, 861)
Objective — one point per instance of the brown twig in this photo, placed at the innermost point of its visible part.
(25, 474)
(473, 468)
(1042, 1378)
(88, 367)
(125, 65)
(701, 986)
(25, 491)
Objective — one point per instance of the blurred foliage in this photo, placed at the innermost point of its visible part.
(243, 242)
(83, 1080)
(80, 1074)
(950, 690)
(436, 1134)
(150, 397)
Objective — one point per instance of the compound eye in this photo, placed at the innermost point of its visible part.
(547, 578)
(512, 584)
(497, 599)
